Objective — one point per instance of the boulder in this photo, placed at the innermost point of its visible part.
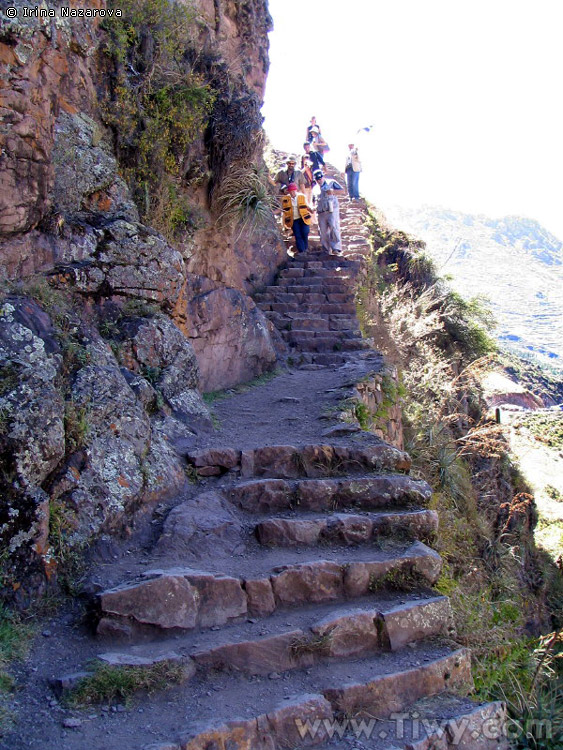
(203, 526)
(156, 345)
(166, 601)
(260, 594)
(309, 582)
(230, 337)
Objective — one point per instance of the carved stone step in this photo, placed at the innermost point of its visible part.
(184, 598)
(330, 494)
(310, 718)
(293, 461)
(347, 528)
(345, 633)
(443, 722)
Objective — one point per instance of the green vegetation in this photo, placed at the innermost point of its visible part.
(158, 105)
(65, 554)
(138, 308)
(9, 378)
(497, 581)
(108, 684)
(77, 426)
(546, 427)
(15, 636)
(404, 578)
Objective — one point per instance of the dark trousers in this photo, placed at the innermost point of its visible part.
(301, 234)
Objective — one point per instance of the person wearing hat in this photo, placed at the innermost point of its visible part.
(312, 124)
(297, 216)
(290, 174)
(328, 213)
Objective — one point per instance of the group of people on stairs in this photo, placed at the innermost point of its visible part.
(308, 196)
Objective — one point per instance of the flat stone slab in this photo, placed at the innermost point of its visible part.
(371, 492)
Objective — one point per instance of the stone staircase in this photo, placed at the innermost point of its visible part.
(312, 304)
(328, 617)
(295, 586)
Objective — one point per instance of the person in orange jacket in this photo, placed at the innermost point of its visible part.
(297, 216)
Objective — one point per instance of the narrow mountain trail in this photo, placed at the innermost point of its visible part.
(292, 583)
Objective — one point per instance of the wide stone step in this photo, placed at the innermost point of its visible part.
(330, 494)
(326, 289)
(343, 633)
(300, 275)
(322, 339)
(326, 262)
(329, 279)
(319, 360)
(443, 722)
(347, 528)
(309, 322)
(184, 598)
(316, 460)
(373, 687)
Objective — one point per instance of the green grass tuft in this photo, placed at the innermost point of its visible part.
(111, 684)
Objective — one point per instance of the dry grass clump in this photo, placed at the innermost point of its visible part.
(244, 198)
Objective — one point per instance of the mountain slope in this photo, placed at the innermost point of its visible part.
(514, 262)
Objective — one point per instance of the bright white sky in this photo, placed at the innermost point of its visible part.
(465, 96)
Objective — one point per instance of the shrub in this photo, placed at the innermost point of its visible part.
(245, 199)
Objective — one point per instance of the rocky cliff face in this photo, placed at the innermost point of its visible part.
(110, 328)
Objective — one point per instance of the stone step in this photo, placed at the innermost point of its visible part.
(336, 335)
(309, 322)
(301, 275)
(443, 722)
(318, 341)
(342, 633)
(275, 718)
(315, 460)
(324, 261)
(347, 528)
(373, 624)
(325, 289)
(183, 598)
(329, 494)
(328, 279)
(317, 360)
(322, 346)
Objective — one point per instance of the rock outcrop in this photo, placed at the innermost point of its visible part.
(103, 365)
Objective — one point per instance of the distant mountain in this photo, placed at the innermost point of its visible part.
(514, 262)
